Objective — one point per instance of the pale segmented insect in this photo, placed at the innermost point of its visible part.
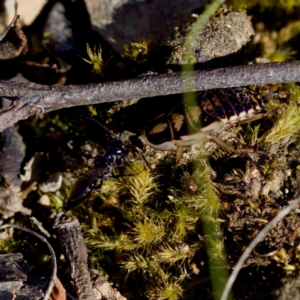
(214, 109)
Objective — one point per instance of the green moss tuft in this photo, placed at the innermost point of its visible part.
(138, 51)
(287, 5)
(169, 290)
(287, 126)
(148, 232)
(95, 59)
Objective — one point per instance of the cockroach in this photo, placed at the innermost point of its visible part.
(213, 110)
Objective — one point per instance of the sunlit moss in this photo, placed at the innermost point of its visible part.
(277, 45)
(288, 125)
(151, 242)
(56, 202)
(219, 153)
(148, 232)
(155, 239)
(283, 4)
(294, 94)
(135, 263)
(169, 254)
(96, 240)
(169, 290)
(93, 111)
(288, 32)
(186, 218)
(137, 51)
(272, 49)
(138, 181)
(284, 50)
(95, 59)
(187, 211)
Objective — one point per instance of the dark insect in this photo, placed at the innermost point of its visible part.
(114, 155)
(214, 110)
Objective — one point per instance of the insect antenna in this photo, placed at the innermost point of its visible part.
(146, 161)
(133, 139)
(110, 132)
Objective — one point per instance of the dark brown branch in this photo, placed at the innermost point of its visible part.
(34, 99)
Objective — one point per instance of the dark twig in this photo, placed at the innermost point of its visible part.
(75, 252)
(39, 226)
(32, 99)
(53, 257)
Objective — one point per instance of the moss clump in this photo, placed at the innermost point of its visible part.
(287, 126)
(155, 239)
(287, 5)
(95, 59)
(138, 51)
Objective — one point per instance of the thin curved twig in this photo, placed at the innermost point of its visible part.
(31, 99)
(53, 257)
(254, 243)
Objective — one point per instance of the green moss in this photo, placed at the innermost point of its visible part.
(56, 202)
(138, 51)
(136, 263)
(171, 291)
(251, 134)
(154, 239)
(8, 246)
(287, 126)
(169, 254)
(287, 5)
(148, 231)
(95, 59)
(93, 110)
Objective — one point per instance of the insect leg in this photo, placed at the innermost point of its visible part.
(222, 144)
